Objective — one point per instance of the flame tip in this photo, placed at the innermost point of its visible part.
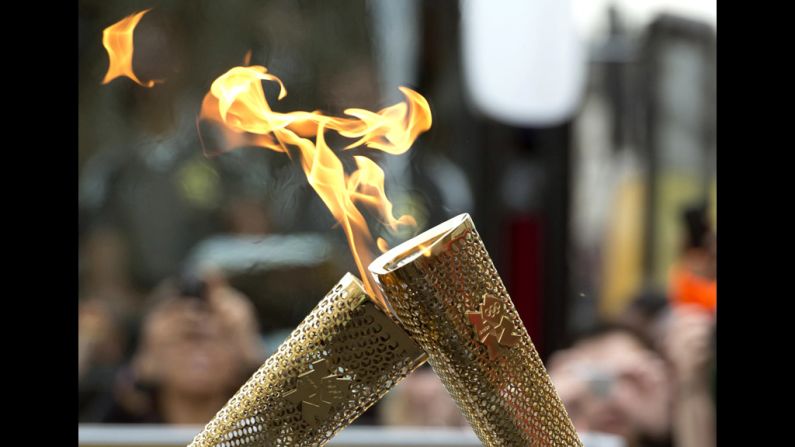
(237, 102)
(118, 42)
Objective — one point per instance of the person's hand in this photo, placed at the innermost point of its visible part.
(571, 388)
(238, 314)
(687, 345)
(688, 348)
(646, 392)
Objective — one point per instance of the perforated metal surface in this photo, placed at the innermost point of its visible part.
(341, 359)
(450, 298)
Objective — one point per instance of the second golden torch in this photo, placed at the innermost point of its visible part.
(344, 356)
(450, 298)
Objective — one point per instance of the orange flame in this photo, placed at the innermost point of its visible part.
(366, 185)
(237, 102)
(118, 41)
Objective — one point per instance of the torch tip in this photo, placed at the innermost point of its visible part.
(426, 243)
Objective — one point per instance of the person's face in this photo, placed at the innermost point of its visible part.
(193, 350)
(613, 385)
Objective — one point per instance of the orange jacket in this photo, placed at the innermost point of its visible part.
(689, 288)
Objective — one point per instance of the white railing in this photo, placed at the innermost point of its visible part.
(356, 436)
(143, 435)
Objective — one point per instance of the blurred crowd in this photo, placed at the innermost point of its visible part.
(648, 376)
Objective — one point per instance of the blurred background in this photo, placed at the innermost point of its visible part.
(580, 136)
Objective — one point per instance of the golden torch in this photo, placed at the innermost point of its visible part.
(344, 356)
(447, 294)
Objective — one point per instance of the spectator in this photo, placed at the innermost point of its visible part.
(108, 304)
(613, 381)
(197, 348)
(100, 346)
